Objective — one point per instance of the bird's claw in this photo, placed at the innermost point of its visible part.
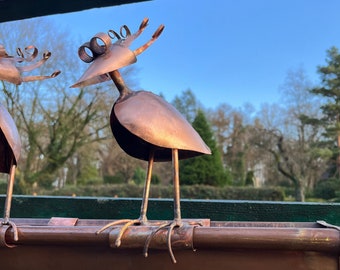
(128, 223)
(171, 227)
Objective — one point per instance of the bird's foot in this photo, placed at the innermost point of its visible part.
(14, 227)
(127, 223)
(170, 226)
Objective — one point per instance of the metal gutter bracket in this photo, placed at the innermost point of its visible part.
(3, 230)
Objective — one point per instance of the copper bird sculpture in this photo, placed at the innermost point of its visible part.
(145, 126)
(10, 144)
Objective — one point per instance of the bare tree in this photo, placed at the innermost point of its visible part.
(230, 128)
(291, 140)
(55, 122)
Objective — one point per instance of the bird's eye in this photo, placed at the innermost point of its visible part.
(100, 43)
(85, 53)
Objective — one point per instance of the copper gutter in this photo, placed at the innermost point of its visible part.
(222, 235)
(73, 244)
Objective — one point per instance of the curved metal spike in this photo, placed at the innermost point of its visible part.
(144, 23)
(157, 33)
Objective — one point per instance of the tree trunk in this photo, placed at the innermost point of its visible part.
(338, 158)
(299, 192)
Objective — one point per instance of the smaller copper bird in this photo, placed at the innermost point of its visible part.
(145, 125)
(10, 144)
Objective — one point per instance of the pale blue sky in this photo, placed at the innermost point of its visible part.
(225, 51)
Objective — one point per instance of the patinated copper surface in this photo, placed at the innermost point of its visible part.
(10, 144)
(214, 235)
(144, 125)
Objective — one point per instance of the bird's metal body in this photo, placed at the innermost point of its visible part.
(144, 124)
(10, 143)
(143, 120)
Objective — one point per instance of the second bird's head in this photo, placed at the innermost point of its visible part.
(106, 57)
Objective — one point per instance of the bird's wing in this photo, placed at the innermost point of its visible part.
(151, 118)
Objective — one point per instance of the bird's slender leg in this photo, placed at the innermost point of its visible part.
(8, 202)
(177, 222)
(146, 192)
(142, 220)
(177, 206)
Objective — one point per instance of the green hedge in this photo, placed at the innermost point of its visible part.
(159, 191)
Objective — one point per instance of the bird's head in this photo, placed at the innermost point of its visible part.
(11, 68)
(106, 56)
